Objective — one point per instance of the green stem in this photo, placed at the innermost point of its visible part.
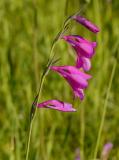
(31, 122)
(39, 94)
(82, 123)
(104, 110)
(29, 139)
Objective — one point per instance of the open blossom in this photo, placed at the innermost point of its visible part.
(76, 78)
(81, 45)
(57, 105)
(86, 23)
(106, 150)
(84, 49)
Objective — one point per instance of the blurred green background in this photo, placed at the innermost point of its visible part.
(27, 29)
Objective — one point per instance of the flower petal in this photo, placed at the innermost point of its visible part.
(84, 63)
(76, 81)
(86, 49)
(106, 150)
(79, 93)
(82, 46)
(76, 78)
(71, 70)
(86, 23)
(57, 105)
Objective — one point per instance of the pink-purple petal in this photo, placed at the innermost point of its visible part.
(82, 46)
(86, 64)
(89, 25)
(72, 70)
(79, 93)
(77, 79)
(106, 150)
(57, 105)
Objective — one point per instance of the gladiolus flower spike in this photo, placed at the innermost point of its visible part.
(76, 78)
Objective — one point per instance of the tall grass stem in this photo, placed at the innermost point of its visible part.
(82, 134)
(104, 110)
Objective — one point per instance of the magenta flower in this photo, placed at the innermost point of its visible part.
(86, 23)
(57, 105)
(106, 150)
(83, 48)
(76, 78)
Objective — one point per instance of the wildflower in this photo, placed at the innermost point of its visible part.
(81, 45)
(77, 154)
(57, 105)
(84, 49)
(106, 150)
(76, 78)
(86, 23)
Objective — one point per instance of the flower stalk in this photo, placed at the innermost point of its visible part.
(33, 112)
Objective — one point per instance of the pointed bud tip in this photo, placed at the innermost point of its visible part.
(88, 24)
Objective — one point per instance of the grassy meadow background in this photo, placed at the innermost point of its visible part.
(27, 29)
